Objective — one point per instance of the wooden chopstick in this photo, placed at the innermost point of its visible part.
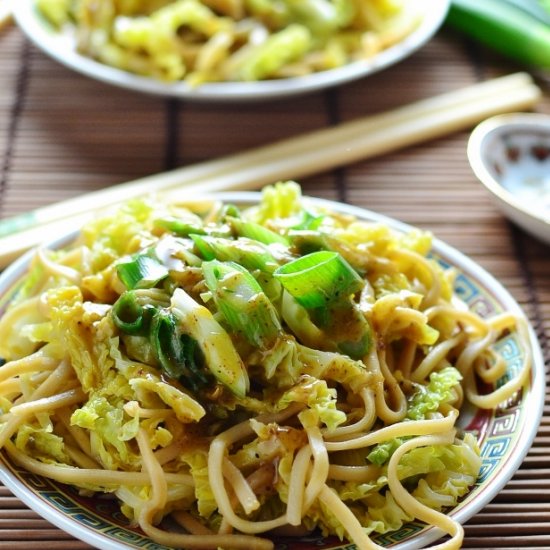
(366, 144)
(292, 158)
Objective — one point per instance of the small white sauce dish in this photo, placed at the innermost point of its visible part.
(510, 155)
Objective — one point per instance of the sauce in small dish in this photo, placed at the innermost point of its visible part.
(510, 154)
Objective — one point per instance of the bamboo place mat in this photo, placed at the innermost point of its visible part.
(62, 134)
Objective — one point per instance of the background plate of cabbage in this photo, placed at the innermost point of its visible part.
(229, 49)
(504, 433)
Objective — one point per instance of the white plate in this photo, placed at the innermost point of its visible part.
(62, 48)
(505, 434)
(510, 155)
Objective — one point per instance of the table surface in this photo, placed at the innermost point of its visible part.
(62, 134)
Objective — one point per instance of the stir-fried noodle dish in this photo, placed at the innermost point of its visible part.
(228, 372)
(231, 40)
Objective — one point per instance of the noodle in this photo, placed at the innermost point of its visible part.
(434, 358)
(404, 429)
(357, 474)
(53, 268)
(227, 373)
(215, 473)
(69, 397)
(362, 425)
(297, 485)
(320, 469)
(244, 493)
(375, 361)
(81, 438)
(349, 521)
(82, 475)
(33, 363)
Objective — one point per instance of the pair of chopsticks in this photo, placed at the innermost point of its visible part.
(292, 158)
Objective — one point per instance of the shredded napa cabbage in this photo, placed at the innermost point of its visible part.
(425, 400)
(318, 397)
(430, 397)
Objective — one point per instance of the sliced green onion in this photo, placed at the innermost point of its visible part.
(536, 8)
(357, 349)
(130, 316)
(179, 227)
(505, 27)
(143, 271)
(166, 342)
(257, 232)
(220, 354)
(246, 252)
(309, 221)
(319, 278)
(186, 227)
(348, 328)
(307, 241)
(203, 246)
(175, 352)
(194, 358)
(242, 302)
(230, 211)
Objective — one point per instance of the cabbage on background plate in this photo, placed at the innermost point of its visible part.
(209, 41)
(229, 50)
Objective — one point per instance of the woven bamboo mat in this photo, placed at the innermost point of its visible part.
(62, 134)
